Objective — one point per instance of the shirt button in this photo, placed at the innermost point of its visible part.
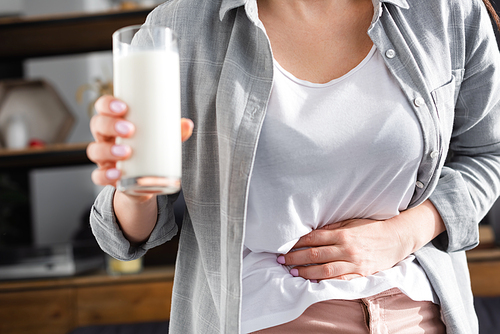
(390, 53)
(419, 101)
(419, 184)
(434, 154)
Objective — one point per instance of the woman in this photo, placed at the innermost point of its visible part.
(316, 180)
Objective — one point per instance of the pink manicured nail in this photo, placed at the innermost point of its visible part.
(281, 259)
(119, 150)
(294, 272)
(113, 174)
(117, 106)
(123, 127)
(313, 280)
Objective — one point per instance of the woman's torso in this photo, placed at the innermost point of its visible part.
(329, 152)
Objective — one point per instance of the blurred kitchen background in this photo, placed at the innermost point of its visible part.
(54, 279)
(61, 196)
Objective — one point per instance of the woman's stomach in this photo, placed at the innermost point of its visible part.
(272, 296)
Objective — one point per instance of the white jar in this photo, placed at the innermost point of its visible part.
(16, 133)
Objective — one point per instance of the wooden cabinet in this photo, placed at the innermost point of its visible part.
(485, 275)
(36, 311)
(57, 306)
(484, 265)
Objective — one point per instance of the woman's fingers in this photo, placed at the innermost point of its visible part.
(187, 127)
(106, 128)
(336, 270)
(348, 277)
(107, 176)
(319, 237)
(314, 255)
(108, 124)
(110, 106)
(104, 153)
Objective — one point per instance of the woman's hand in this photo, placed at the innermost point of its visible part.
(348, 249)
(136, 215)
(108, 124)
(362, 247)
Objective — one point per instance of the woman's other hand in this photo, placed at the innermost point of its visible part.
(106, 125)
(362, 247)
(346, 250)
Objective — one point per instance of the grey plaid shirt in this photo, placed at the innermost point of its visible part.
(445, 57)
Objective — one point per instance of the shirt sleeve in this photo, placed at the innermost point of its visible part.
(470, 180)
(110, 237)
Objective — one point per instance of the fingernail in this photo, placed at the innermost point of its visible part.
(120, 150)
(123, 127)
(112, 174)
(313, 280)
(281, 259)
(117, 106)
(294, 272)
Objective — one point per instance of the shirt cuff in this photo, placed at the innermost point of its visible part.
(110, 237)
(453, 202)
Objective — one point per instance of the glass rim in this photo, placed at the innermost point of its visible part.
(137, 27)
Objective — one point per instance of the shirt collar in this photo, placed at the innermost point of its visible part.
(227, 5)
(400, 3)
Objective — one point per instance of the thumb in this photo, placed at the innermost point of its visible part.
(187, 127)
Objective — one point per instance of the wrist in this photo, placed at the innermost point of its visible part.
(136, 215)
(419, 225)
(133, 199)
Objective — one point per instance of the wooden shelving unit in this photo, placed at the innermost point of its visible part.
(63, 34)
(58, 305)
(43, 36)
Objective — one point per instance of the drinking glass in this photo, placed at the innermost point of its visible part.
(146, 77)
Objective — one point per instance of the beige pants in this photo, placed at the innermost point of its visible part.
(388, 312)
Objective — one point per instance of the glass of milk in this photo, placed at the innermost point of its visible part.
(146, 77)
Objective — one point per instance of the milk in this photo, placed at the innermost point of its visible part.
(148, 81)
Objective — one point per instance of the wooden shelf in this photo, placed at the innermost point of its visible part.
(63, 34)
(50, 156)
(31, 37)
(100, 277)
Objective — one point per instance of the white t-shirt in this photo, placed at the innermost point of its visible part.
(349, 148)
